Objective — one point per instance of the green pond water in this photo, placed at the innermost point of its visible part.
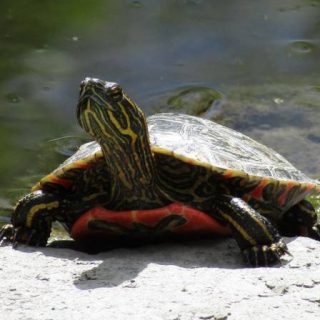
(251, 65)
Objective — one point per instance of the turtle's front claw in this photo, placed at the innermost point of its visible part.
(265, 255)
(6, 234)
(28, 236)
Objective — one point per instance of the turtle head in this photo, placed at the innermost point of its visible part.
(119, 126)
(107, 114)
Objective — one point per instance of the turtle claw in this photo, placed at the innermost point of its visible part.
(6, 234)
(265, 255)
(17, 235)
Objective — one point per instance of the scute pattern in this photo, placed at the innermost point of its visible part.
(219, 146)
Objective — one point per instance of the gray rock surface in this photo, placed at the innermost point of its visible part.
(203, 280)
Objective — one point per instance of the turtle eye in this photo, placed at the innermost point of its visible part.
(115, 92)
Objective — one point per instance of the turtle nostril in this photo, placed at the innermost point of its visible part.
(89, 81)
(85, 84)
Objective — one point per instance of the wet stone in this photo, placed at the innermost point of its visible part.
(191, 100)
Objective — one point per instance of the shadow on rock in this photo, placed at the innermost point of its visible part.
(123, 265)
(120, 266)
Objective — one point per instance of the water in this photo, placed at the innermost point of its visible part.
(263, 57)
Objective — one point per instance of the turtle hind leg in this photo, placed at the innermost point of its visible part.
(301, 220)
(257, 238)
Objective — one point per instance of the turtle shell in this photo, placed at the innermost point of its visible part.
(198, 142)
(212, 145)
(63, 177)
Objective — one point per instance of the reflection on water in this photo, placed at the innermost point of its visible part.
(152, 48)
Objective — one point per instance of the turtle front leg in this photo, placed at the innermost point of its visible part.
(301, 220)
(258, 240)
(32, 219)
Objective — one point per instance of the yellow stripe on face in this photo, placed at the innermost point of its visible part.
(240, 229)
(86, 116)
(39, 207)
(126, 131)
(90, 113)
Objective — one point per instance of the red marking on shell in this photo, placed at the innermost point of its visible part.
(197, 221)
(82, 164)
(257, 192)
(228, 174)
(311, 187)
(282, 199)
(63, 182)
(52, 179)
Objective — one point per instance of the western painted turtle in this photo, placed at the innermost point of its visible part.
(171, 173)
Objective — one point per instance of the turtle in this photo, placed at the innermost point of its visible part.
(163, 175)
